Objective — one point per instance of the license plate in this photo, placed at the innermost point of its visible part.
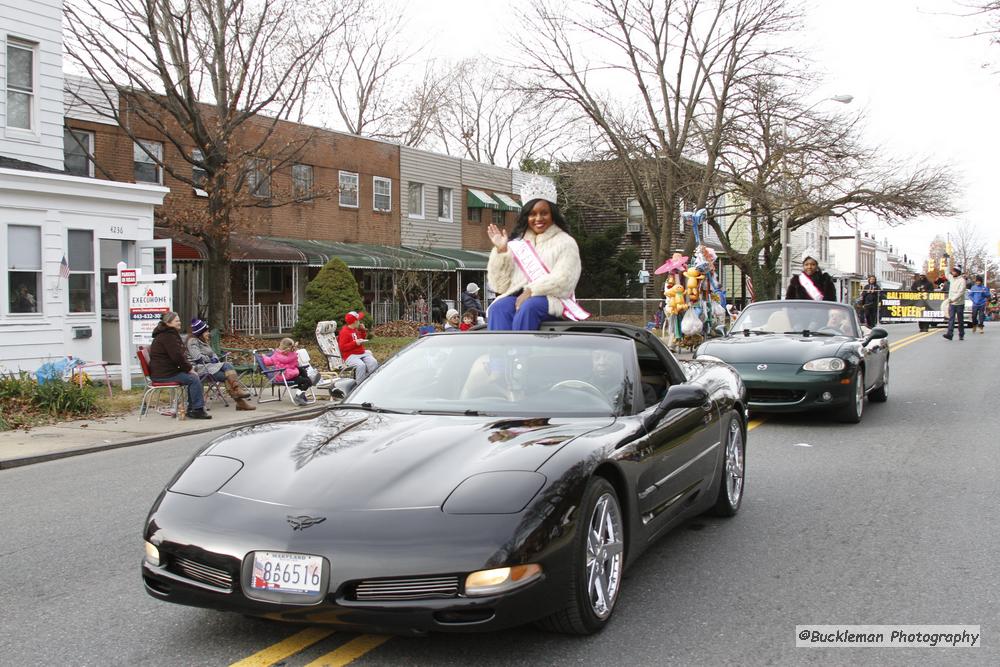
(289, 573)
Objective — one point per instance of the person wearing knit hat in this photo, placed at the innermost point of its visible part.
(206, 363)
(352, 339)
(452, 320)
(470, 300)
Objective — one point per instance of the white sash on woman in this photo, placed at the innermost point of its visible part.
(810, 287)
(532, 266)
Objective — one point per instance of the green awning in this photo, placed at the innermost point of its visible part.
(507, 203)
(367, 256)
(469, 260)
(479, 199)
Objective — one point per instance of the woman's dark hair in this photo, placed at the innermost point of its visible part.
(522, 219)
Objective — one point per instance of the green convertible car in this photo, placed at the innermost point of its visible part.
(805, 355)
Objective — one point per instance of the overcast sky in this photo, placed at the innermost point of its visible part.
(927, 90)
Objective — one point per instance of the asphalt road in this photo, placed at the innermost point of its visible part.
(892, 521)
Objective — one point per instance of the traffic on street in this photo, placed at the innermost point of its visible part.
(885, 522)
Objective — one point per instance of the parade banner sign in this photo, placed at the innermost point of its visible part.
(146, 302)
(906, 306)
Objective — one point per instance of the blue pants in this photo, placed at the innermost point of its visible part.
(196, 397)
(956, 313)
(978, 315)
(529, 317)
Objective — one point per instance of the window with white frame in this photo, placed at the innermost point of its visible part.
(382, 193)
(415, 205)
(302, 180)
(80, 255)
(78, 152)
(20, 85)
(146, 159)
(24, 269)
(259, 178)
(444, 204)
(635, 215)
(198, 174)
(348, 189)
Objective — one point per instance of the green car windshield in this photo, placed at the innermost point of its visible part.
(823, 317)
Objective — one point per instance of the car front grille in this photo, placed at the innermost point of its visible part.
(776, 396)
(207, 574)
(407, 589)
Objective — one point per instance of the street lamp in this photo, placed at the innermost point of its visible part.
(785, 239)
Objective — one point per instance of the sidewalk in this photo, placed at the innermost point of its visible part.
(45, 443)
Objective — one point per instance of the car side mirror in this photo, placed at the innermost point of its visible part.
(876, 334)
(342, 387)
(684, 395)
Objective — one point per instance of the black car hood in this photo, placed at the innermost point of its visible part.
(773, 348)
(362, 460)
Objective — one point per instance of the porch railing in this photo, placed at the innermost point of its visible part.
(260, 318)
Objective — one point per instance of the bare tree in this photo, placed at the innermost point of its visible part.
(969, 251)
(212, 78)
(657, 79)
(489, 117)
(784, 159)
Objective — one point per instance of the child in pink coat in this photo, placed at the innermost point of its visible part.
(286, 358)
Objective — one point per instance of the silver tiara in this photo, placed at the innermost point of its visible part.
(538, 187)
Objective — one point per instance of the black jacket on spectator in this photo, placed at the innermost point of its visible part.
(823, 282)
(870, 294)
(472, 302)
(167, 355)
(921, 284)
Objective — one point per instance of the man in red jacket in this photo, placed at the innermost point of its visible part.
(352, 339)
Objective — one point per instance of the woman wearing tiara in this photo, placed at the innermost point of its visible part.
(535, 269)
(812, 283)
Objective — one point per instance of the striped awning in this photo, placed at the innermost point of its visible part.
(366, 256)
(507, 203)
(479, 199)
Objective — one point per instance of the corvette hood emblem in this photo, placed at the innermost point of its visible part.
(302, 522)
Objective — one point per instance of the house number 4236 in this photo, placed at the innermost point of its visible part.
(117, 229)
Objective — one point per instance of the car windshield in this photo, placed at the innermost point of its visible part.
(821, 317)
(506, 374)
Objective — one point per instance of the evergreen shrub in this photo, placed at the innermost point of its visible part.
(329, 296)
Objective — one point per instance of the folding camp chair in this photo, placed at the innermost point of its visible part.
(176, 390)
(326, 338)
(275, 378)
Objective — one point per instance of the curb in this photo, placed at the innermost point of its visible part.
(6, 464)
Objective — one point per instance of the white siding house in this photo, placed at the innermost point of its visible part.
(49, 308)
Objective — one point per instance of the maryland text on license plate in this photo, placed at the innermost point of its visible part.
(291, 573)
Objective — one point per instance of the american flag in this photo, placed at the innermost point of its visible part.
(64, 268)
(749, 282)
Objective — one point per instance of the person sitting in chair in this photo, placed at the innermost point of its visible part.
(169, 363)
(286, 358)
(352, 339)
(207, 363)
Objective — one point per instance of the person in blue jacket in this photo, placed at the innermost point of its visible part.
(980, 296)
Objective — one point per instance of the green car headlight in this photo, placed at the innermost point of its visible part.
(707, 357)
(825, 365)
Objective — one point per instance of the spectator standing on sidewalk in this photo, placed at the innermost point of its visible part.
(352, 339)
(870, 295)
(956, 304)
(168, 363)
(980, 295)
(470, 300)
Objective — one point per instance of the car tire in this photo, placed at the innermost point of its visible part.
(851, 413)
(880, 394)
(599, 544)
(732, 477)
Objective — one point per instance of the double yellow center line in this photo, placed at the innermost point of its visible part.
(909, 340)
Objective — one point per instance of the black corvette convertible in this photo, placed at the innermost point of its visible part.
(475, 481)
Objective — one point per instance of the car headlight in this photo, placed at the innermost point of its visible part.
(501, 579)
(205, 475)
(499, 492)
(708, 357)
(825, 364)
(152, 555)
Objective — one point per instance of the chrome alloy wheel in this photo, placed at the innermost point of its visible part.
(734, 464)
(859, 393)
(605, 548)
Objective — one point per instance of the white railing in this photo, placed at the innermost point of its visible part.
(260, 318)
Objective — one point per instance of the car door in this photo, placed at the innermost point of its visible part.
(677, 460)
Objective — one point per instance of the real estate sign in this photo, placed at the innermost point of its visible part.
(146, 303)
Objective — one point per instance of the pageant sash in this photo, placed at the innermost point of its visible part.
(810, 287)
(532, 266)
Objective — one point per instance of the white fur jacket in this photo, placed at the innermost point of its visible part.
(559, 252)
